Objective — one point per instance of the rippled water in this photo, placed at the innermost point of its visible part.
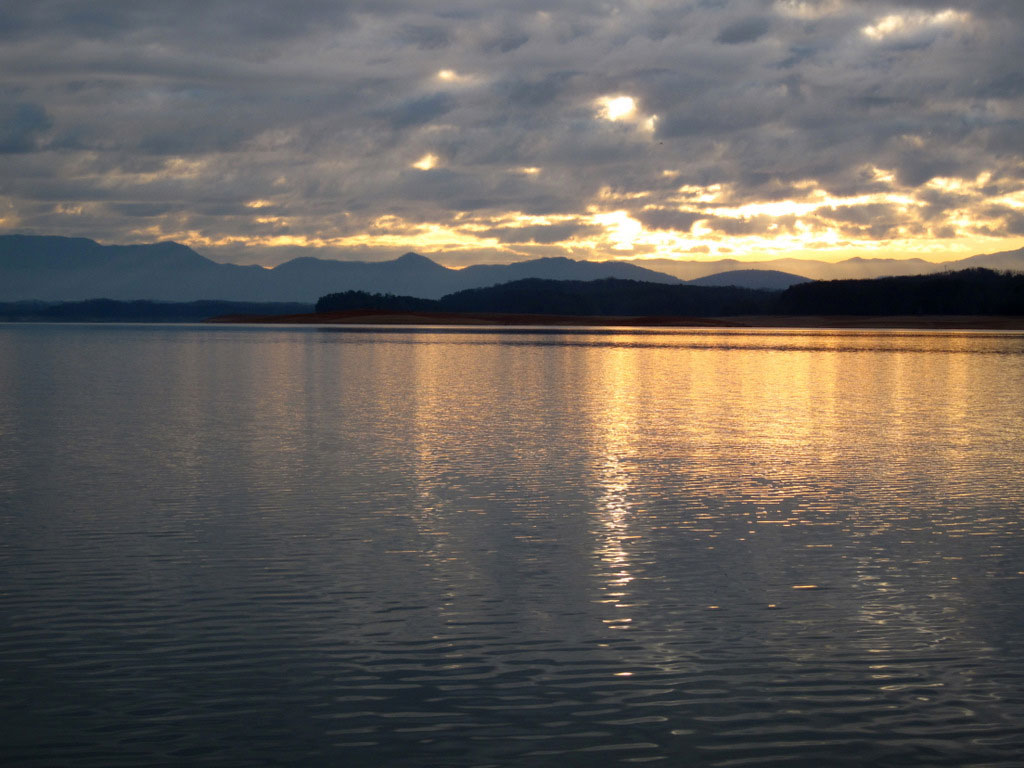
(422, 547)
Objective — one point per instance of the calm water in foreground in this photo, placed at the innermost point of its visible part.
(276, 546)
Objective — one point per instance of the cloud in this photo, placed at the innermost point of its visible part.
(744, 30)
(22, 126)
(668, 219)
(754, 225)
(544, 234)
(143, 120)
(877, 221)
(420, 110)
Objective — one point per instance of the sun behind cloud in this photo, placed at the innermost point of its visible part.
(616, 108)
(426, 163)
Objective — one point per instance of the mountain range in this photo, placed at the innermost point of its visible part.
(72, 269)
(849, 269)
(48, 268)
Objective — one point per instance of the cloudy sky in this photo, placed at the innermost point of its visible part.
(254, 130)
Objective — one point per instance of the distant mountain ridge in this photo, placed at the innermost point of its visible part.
(761, 279)
(50, 268)
(855, 268)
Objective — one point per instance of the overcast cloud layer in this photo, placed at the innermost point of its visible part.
(480, 131)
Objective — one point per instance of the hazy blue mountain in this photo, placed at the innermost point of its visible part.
(761, 279)
(409, 275)
(72, 269)
(557, 268)
(75, 269)
(856, 268)
(850, 269)
(1005, 260)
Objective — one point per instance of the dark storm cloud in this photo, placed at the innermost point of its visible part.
(188, 23)
(426, 37)
(1005, 220)
(22, 126)
(744, 30)
(420, 110)
(873, 220)
(858, 214)
(1015, 223)
(221, 118)
(668, 219)
(504, 42)
(755, 225)
(143, 209)
(543, 234)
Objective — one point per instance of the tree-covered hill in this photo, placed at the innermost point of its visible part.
(607, 297)
(967, 292)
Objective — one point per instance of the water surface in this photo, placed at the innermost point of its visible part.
(412, 547)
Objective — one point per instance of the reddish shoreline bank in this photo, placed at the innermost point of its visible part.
(385, 317)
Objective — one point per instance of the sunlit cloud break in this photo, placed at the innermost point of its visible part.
(426, 162)
(616, 107)
(898, 24)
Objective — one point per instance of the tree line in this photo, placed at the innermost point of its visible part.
(965, 292)
(142, 311)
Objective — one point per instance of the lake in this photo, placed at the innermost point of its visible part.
(233, 545)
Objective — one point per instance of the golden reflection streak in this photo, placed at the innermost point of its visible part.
(614, 411)
(431, 439)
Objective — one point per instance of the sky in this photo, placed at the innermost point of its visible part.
(472, 131)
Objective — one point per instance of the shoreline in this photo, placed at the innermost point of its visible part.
(498, 319)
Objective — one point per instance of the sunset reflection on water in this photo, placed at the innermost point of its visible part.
(527, 547)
